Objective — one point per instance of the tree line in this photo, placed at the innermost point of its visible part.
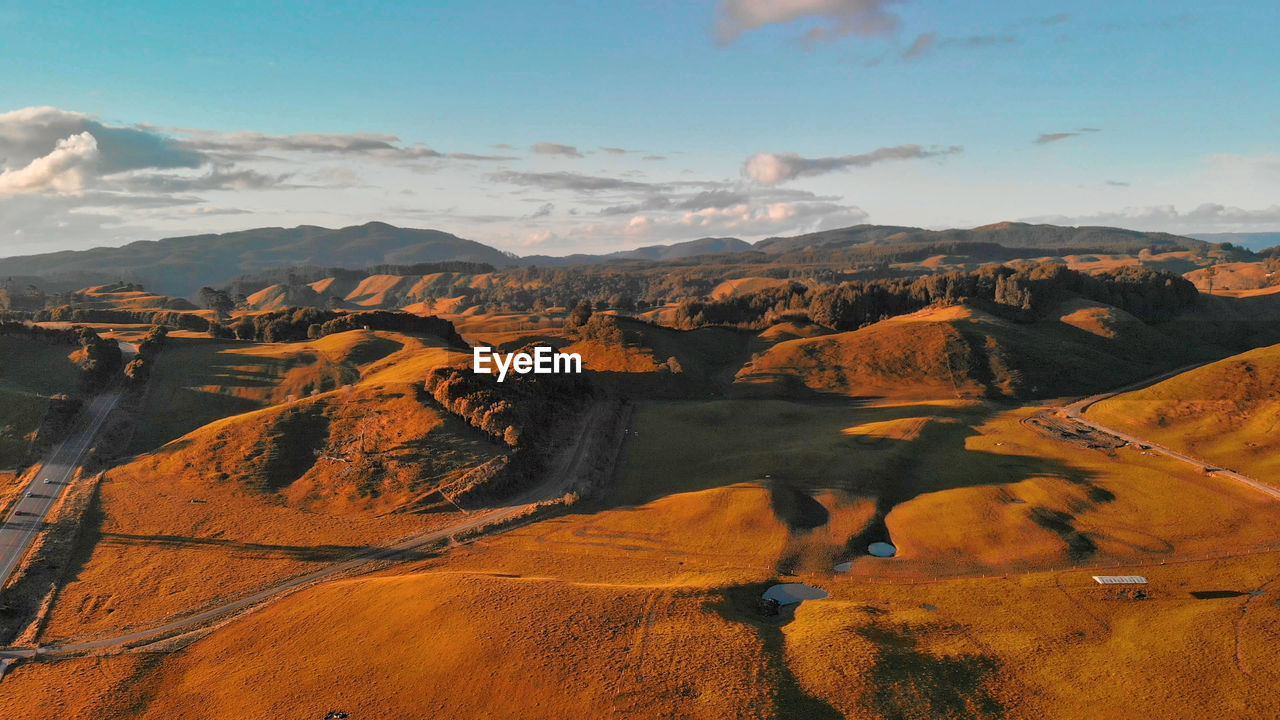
(1019, 293)
(294, 324)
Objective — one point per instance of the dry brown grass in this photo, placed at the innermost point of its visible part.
(642, 607)
(1225, 412)
(254, 497)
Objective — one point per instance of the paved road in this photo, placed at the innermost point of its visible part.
(1076, 411)
(28, 515)
(560, 481)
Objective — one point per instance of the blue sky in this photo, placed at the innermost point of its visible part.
(739, 117)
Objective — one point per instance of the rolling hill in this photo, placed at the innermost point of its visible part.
(962, 351)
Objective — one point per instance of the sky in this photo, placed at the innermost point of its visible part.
(561, 127)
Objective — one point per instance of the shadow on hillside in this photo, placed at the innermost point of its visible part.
(902, 680)
(261, 551)
(907, 682)
(801, 450)
(741, 604)
(939, 460)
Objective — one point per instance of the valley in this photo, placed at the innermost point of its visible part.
(302, 508)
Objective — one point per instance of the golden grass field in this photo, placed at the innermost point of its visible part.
(642, 602)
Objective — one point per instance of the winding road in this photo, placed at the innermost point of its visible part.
(1076, 412)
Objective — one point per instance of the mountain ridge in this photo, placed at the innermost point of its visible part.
(180, 265)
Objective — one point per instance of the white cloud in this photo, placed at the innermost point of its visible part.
(747, 219)
(769, 168)
(33, 132)
(63, 171)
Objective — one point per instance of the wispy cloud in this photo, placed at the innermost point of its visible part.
(769, 168)
(576, 182)
(216, 179)
(550, 148)
(927, 43)
(1046, 138)
(922, 45)
(836, 18)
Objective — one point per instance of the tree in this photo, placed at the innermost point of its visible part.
(580, 313)
(218, 301)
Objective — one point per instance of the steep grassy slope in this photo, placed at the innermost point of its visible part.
(199, 380)
(1227, 412)
(339, 450)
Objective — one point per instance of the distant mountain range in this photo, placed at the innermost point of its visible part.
(676, 251)
(1008, 234)
(180, 266)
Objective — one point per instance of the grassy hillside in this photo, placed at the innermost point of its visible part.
(965, 352)
(351, 456)
(1226, 412)
(197, 380)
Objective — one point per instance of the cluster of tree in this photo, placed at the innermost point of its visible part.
(218, 301)
(100, 359)
(1022, 293)
(603, 329)
(15, 299)
(520, 411)
(747, 308)
(294, 324)
(170, 318)
(138, 371)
